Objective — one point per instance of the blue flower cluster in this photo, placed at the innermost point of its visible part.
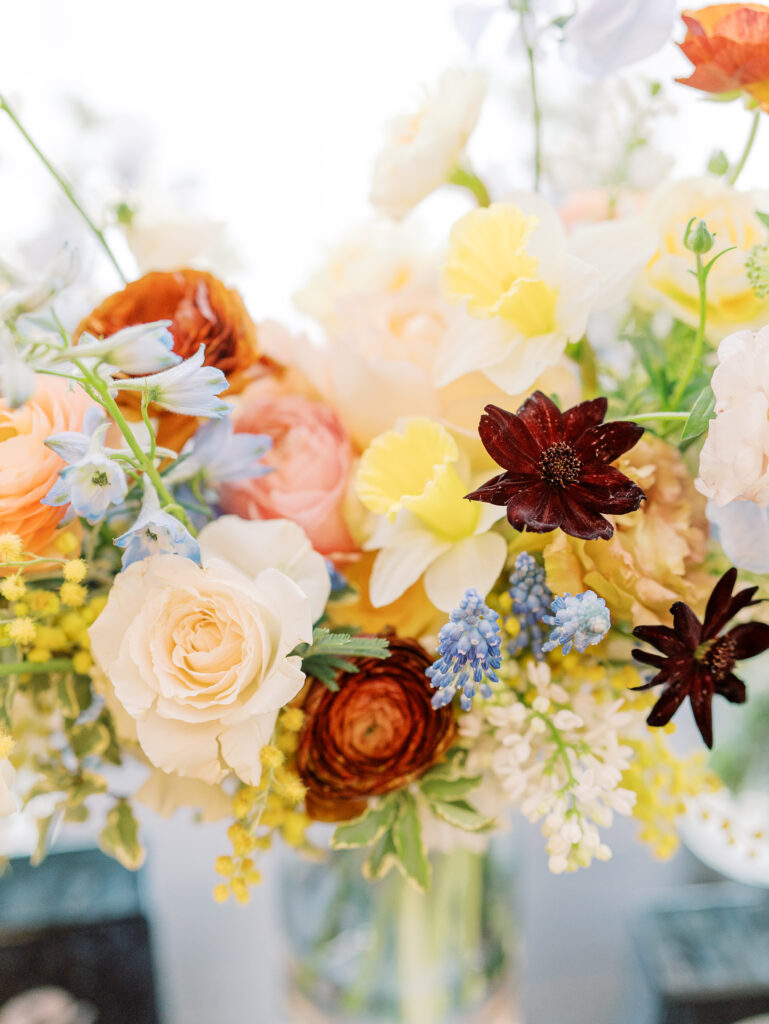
(580, 620)
(531, 598)
(469, 648)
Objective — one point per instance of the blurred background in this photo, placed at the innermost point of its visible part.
(262, 119)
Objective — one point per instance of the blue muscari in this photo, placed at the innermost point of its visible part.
(338, 582)
(469, 653)
(580, 620)
(531, 599)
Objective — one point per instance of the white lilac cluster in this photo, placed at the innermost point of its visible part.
(559, 759)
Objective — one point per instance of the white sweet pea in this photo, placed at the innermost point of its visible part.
(189, 388)
(139, 349)
(423, 147)
(607, 35)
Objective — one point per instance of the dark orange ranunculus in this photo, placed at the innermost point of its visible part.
(202, 311)
(728, 44)
(376, 734)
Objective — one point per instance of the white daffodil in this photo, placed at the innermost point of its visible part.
(415, 481)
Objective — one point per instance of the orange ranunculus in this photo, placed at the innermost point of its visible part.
(202, 311)
(728, 44)
(376, 734)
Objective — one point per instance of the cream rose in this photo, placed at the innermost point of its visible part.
(200, 657)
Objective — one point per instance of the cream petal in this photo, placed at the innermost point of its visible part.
(242, 743)
(472, 562)
(397, 567)
(165, 794)
(190, 750)
(619, 250)
(470, 344)
(527, 360)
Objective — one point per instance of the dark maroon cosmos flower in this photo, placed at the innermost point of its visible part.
(557, 466)
(695, 661)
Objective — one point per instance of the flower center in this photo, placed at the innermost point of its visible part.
(719, 657)
(100, 478)
(559, 465)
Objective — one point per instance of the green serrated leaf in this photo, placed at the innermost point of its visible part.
(382, 858)
(435, 788)
(409, 847)
(120, 836)
(460, 814)
(366, 829)
(702, 412)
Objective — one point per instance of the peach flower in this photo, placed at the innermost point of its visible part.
(28, 469)
(311, 458)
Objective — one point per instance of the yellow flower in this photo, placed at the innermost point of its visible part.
(22, 631)
(75, 570)
(271, 756)
(73, 595)
(292, 718)
(11, 547)
(13, 587)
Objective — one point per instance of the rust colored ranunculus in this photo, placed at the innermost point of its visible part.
(376, 734)
(728, 44)
(202, 311)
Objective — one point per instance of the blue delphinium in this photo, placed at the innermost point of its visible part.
(580, 620)
(215, 455)
(156, 532)
(469, 648)
(531, 599)
(93, 481)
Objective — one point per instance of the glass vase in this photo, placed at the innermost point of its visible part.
(372, 952)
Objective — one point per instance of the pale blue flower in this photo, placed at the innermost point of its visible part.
(216, 455)
(72, 445)
(469, 648)
(92, 482)
(580, 620)
(156, 532)
(531, 599)
(742, 530)
(189, 388)
(139, 349)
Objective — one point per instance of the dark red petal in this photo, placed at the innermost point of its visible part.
(701, 697)
(604, 489)
(582, 522)
(663, 638)
(607, 441)
(742, 599)
(543, 419)
(507, 440)
(496, 491)
(733, 689)
(670, 701)
(526, 508)
(717, 612)
(686, 625)
(581, 417)
(647, 658)
(549, 513)
(750, 639)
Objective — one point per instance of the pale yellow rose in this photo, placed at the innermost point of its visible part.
(200, 657)
(666, 283)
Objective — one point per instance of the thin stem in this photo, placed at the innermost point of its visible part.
(537, 110)
(748, 146)
(65, 187)
(648, 416)
(699, 338)
(465, 177)
(13, 668)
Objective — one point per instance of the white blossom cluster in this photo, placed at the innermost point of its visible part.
(559, 759)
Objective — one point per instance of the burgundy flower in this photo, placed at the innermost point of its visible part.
(557, 466)
(695, 661)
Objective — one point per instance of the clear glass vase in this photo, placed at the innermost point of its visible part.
(370, 953)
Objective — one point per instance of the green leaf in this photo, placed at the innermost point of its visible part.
(460, 814)
(329, 654)
(84, 785)
(407, 838)
(67, 695)
(381, 859)
(120, 836)
(44, 828)
(366, 829)
(436, 788)
(763, 217)
(89, 739)
(702, 412)
(718, 163)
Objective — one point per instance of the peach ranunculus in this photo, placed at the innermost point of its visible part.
(200, 656)
(728, 44)
(28, 469)
(310, 461)
(655, 555)
(202, 311)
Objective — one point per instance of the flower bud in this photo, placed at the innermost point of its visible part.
(698, 239)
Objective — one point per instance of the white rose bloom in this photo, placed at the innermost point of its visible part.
(734, 462)
(200, 657)
(423, 147)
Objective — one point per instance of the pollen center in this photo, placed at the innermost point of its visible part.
(720, 658)
(559, 465)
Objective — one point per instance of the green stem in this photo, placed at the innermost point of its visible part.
(699, 338)
(648, 416)
(537, 110)
(13, 668)
(465, 177)
(65, 187)
(748, 146)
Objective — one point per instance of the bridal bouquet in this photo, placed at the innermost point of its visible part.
(471, 545)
